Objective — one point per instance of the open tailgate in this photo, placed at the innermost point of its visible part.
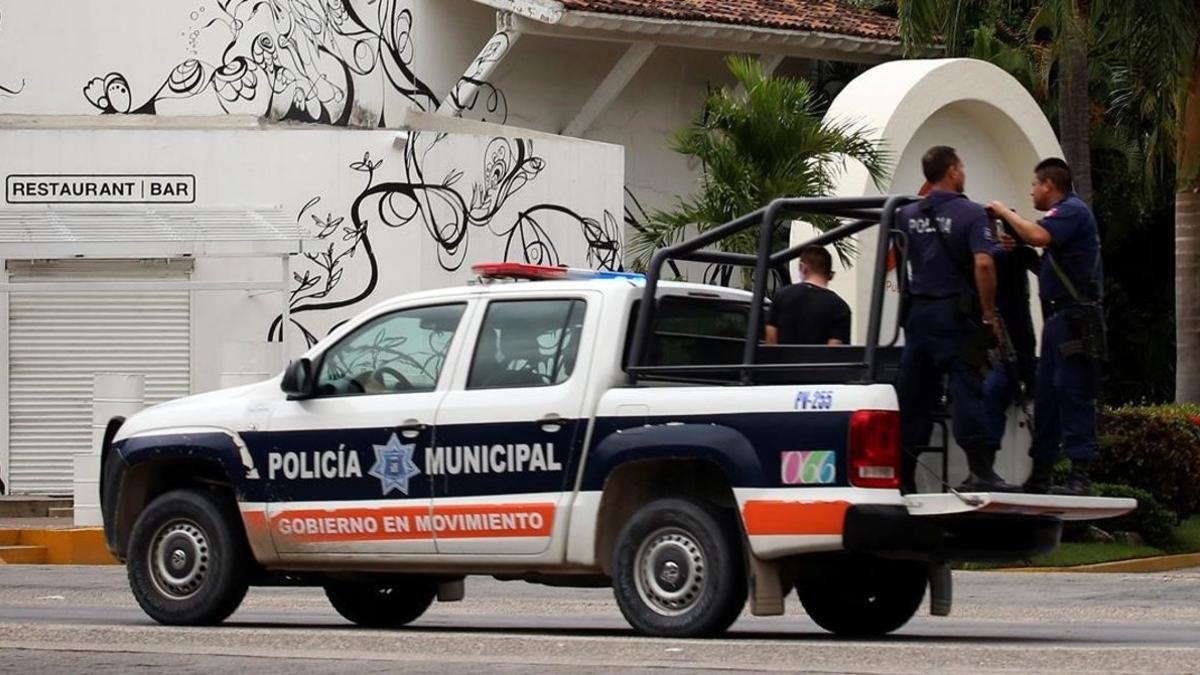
(1055, 506)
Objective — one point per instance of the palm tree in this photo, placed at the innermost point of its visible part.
(1158, 89)
(1035, 36)
(1187, 240)
(1068, 19)
(765, 141)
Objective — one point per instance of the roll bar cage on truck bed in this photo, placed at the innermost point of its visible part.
(864, 364)
(872, 363)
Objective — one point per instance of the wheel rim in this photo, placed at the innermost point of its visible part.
(671, 571)
(179, 559)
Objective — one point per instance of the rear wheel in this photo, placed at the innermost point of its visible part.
(388, 605)
(864, 597)
(188, 559)
(678, 569)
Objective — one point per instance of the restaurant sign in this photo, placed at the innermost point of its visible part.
(100, 189)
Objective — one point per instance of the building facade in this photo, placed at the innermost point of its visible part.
(199, 189)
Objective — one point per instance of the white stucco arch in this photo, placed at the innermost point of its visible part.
(974, 106)
(998, 130)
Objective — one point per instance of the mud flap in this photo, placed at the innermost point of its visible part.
(451, 591)
(767, 590)
(941, 589)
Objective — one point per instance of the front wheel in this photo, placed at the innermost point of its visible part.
(678, 569)
(389, 605)
(188, 559)
(864, 597)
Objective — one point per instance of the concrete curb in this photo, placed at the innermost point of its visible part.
(1161, 563)
(76, 546)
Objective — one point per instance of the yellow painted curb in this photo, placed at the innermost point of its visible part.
(23, 554)
(77, 546)
(1160, 563)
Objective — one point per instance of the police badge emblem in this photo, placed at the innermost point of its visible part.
(394, 465)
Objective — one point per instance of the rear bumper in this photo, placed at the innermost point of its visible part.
(891, 531)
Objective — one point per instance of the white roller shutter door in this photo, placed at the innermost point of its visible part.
(57, 341)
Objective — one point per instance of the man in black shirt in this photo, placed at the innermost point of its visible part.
(808, 313)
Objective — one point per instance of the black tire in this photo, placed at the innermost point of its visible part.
(699, 547)
(864, 597)
(188, 561)
(390, 605)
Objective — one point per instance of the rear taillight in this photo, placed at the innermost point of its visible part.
(875, 449)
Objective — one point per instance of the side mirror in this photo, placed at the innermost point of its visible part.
(298, 379)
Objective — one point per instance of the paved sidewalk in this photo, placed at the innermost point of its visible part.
(36, 523)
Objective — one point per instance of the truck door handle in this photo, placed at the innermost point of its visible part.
(412, 428)
(551, 423)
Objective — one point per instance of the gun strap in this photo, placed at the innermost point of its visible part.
(1066, 281)
(1072, 290)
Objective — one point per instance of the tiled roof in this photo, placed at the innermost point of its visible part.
(819, 16)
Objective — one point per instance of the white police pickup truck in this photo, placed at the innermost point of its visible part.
(504, 429)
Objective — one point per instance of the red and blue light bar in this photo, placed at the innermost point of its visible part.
(512, 270)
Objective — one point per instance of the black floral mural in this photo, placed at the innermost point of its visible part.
(472, 88)
(449, 214)
(7, 90)
(297, 60)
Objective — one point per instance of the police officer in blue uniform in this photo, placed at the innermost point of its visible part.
(952, 320)
(1064, 408)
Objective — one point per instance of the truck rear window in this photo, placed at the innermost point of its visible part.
(690, 331)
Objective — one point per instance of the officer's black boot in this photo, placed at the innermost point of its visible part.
(1078, 483)
(983, 477)
(1041, 478)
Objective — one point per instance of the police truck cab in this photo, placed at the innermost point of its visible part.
(576, 428)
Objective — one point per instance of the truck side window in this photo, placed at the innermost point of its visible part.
(399, 352)
(527, 343)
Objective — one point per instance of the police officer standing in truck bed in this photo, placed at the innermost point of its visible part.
(1073, 345)
(952, 319)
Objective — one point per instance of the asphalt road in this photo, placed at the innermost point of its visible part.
(82, 619)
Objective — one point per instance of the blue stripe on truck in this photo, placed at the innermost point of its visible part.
(501, 458)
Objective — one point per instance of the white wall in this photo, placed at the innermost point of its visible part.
(562, 198)
(305, 61)
(188, 57)
(664, 96)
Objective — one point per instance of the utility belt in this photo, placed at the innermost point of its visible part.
(978, 338)
(1053, 307)
(920, 300)
(1087, 321)
(966, 303)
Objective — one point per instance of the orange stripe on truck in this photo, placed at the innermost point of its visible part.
(466, 521)
(256, 526)
(766, 517)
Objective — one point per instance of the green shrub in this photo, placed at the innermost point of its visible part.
(1155, 448)
(1151, 519)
